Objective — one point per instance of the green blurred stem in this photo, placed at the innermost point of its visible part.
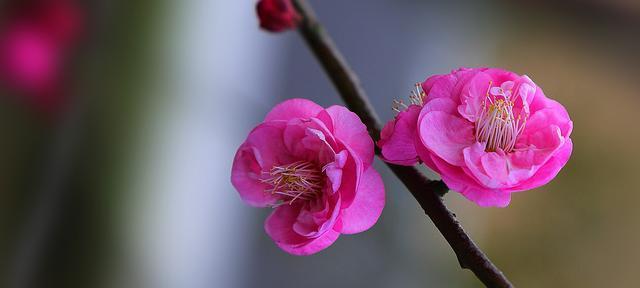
(427, 192)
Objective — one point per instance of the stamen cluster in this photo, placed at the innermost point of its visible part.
(497, 124)
(298, 180)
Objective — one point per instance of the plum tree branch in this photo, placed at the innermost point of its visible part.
(426, 192)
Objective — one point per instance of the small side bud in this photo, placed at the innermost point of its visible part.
(277, 15)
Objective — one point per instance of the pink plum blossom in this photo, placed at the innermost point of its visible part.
(313, 166)
(488, 132)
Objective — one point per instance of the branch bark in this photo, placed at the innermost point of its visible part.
(426, 192)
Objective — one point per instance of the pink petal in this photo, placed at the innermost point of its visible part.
(425, 156)
(267, 140)
(279, 225)
(439, 104)
(349, 129)
(333, 170)
(367, 206)
(473, 95)
(312, 246)
(351, 175)
(245, 177)
(262, 150)
(428, 83)
(488, 167)
(549, 170)
(398, 138)
(500, 76)
(540, 101)
(446, 135)
(440, 86)
(486, 197)
(507, 85)
(319, 217)
(294, 108)
(541, 120)
(459, 180)
(449, 85)
(541, 146)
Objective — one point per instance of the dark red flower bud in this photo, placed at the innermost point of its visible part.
(277, 15)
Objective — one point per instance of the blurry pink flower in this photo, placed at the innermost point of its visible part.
(34, 41)
(277, 15)
(488, 132)
(313, 165)
(30, 59)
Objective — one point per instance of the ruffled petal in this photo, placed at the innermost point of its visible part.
(351, 175)
(313, 246)
(446, 135)
(349, 129)
(367, 205)
(440, 86)
(473, 95)
(549, 170)
(461, 181)
(292, 109)
(541, 120)
(318, 217)
(486, 197)
(279, 225)
(245, 177)
(449, 85)
(268, 144)
(488, 167)
(445, 105)
(333, 170)
(397, 139)
(263, 149)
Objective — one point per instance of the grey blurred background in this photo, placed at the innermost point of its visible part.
(169, 89)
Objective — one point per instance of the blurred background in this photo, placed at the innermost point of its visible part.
(119, 121)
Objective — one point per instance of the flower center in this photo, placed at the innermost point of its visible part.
(497, 124)
(298, 180)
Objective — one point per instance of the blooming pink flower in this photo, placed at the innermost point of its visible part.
(313, 165)
(487, 132)
(277, 15)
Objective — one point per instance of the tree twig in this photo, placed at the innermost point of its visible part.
(425, 191)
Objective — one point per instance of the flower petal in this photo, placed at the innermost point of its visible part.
(541, 120)
(351, 176)
(349, 129)
(486, 197)
(267, 141)
(279, 225)
(294, 108)
(313, 246)
(459, 180)
(549, 170)
(366, 206)
(245, 177)
(398, 138)
(263, 148)
(488, 167)
(318, 217)
(439, 104)
(333, 170)
(473, 95)
(446, 135)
